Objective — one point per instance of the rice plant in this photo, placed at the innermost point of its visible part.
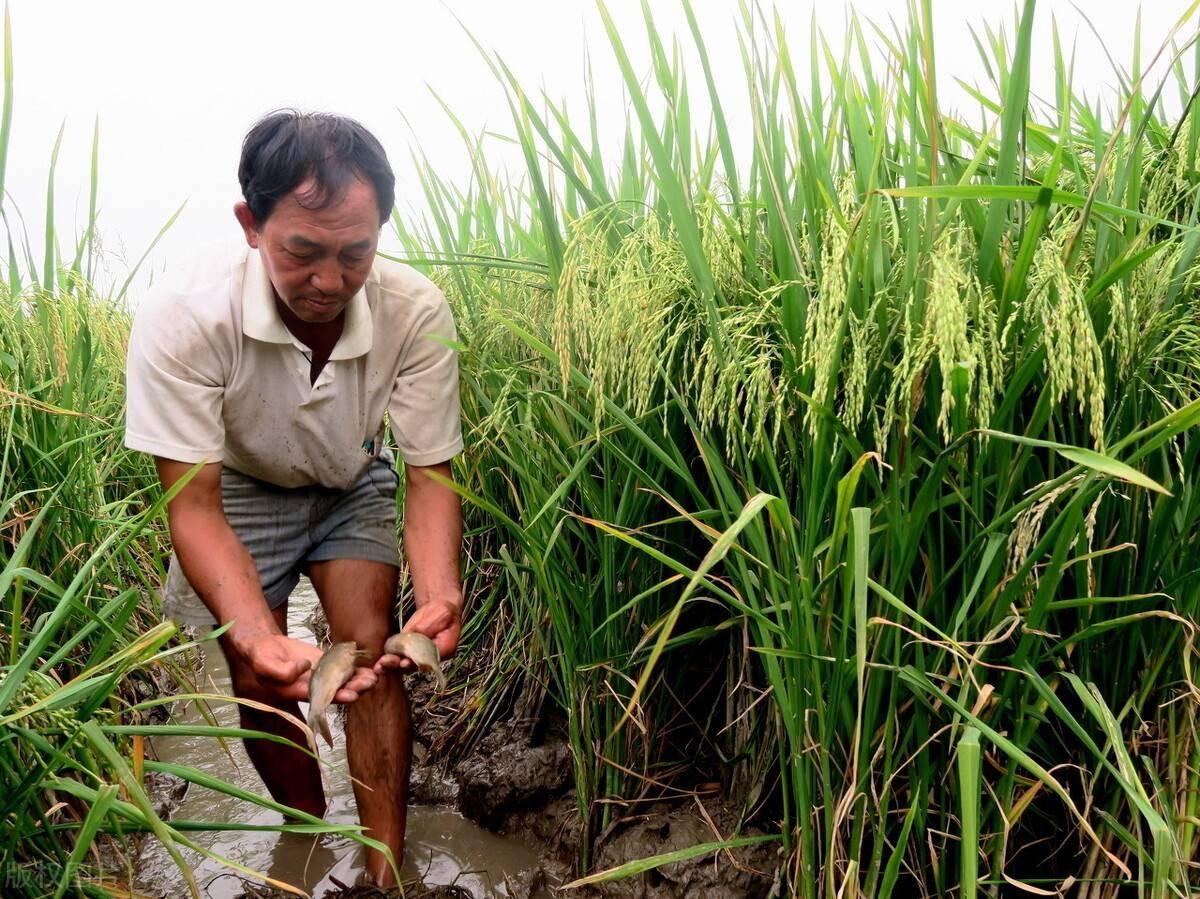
(851, 460)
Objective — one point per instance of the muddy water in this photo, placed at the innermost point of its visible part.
(442, 848)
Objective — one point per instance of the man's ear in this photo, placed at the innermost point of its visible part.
(241, 211)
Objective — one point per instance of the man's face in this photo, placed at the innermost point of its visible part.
(317, 259)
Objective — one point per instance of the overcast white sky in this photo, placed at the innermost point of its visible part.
(176, 85)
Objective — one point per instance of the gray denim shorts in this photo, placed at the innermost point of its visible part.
(286, 528)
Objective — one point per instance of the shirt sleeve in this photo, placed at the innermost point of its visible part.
(174, 385)
(424, 406)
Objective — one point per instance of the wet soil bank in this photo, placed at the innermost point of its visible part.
(515, 781)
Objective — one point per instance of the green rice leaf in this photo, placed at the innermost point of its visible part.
(642, 865)
(1086, 458)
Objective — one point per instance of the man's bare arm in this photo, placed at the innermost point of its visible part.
(215, 561)
(220, 569)
(433, 544)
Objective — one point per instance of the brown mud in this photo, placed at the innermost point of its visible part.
(411, 891)
(516, 780)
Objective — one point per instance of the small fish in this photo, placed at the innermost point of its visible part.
(332, 671)
(421, 650)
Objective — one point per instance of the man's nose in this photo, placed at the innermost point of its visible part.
(327, 278)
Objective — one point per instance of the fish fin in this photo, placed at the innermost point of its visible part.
(323, 723)
(439, 676)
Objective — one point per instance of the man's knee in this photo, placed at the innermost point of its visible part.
(370, 634)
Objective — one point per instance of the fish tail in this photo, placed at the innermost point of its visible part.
(311, 736)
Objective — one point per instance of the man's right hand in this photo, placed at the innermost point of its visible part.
(284, 667)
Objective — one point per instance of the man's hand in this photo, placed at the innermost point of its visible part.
(440, 621)
(283, 666)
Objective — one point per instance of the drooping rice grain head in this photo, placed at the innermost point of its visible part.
(1123, 332)
(743, 396)
(823, 328)
(987, 352)
(1089, 530)
(946, 320)
(614, 304)
(629, 315)
(1074, 361)
(1165, 176)
(862, 348)
(1027, 529)
(959, 331)
(914, 355)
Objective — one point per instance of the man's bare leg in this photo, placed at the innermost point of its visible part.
(358, 598)
(291, 777)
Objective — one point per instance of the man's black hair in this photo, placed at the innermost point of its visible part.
(286, 147)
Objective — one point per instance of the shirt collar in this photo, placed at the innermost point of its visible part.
(261, 320)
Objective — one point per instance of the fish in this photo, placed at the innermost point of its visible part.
(332, 671)
(421, 650)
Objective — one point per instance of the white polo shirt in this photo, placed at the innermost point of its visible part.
(214, 375)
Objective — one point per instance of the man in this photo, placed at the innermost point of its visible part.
(274, 367)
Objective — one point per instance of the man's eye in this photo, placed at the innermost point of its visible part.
(300, 256)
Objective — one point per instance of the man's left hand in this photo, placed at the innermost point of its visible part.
(440, 621)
